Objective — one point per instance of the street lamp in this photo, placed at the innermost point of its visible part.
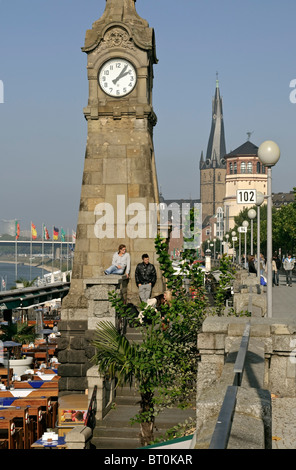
(233, 240)
(259, 201)
(251, 215)
(246, 225)
(214, 248)
(9, 345)
(269, 154)
(227, 236)
(46, 332)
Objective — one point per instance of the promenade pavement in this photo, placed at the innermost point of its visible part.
(284, 409)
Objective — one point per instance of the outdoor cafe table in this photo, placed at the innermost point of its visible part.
(41, 444)
(29, 393)
(35, 384)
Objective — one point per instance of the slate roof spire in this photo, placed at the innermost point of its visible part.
(216, 146)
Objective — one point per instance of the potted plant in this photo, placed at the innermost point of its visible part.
(19, 333)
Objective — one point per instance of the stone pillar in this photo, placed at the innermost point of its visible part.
(75, 348)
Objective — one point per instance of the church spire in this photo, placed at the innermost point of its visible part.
(216, 146)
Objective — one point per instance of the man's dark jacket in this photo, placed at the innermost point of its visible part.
(145, 273)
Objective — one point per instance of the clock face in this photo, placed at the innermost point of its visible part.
(117, 77)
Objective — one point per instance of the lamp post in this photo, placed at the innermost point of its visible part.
(233, 240)
(46, 332)
(252, 215)
(239, 245)
(214, 248)
(259, 201)
(9, 345)
(227, 236)
(246, 225)
(269, 154)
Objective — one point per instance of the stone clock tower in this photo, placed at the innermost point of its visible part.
(119, 182)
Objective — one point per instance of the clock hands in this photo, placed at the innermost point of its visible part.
(122, 74)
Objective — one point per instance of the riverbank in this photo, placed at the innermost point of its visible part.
(33, 265)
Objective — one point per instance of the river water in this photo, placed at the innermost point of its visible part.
(8, 273)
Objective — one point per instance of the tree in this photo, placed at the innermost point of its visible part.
(166, 359)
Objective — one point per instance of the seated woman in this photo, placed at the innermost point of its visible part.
(121, 262)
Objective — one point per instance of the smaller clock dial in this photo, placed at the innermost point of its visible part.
(117, 77)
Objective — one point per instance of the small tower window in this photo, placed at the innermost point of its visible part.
(249, 167)
(258, 167)
(230, 168)
(235, 168)
(263, 168)
(243, 167)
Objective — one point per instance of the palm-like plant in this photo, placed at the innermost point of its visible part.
(118, 358)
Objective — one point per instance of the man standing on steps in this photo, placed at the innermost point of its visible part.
(288, 267)
(145, 276)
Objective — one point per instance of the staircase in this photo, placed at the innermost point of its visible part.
(115, 431)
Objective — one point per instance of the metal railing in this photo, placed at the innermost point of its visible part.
(90, 420)
(223, 426)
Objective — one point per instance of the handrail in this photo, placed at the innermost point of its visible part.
(241, 356)
(223, 426)
(90, 420)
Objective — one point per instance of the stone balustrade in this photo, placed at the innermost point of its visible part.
(270, 368)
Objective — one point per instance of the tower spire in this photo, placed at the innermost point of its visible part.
(216, 145)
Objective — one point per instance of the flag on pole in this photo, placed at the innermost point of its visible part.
(45, 233)
(62, 235)
(17, 230)
(55, 233)
(33, 231)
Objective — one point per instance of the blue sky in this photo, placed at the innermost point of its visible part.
(251, 43)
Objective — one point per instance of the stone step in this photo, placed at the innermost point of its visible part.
(116, 443)
(116, 431)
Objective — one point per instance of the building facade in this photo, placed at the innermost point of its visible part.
(244, 171)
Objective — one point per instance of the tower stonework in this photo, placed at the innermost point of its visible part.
(119, 184)
(213, 167)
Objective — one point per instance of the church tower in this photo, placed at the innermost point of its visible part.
(213, 166)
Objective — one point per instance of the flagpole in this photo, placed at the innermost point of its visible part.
(52, 251)
(42, 257)
(16, 250)
(31, 253)
(67, 252)
(61, 253)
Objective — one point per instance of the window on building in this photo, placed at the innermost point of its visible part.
(263, 168)
(230, 168)
(258, 167)
(235, 168)
(249, 167)
(243, 167)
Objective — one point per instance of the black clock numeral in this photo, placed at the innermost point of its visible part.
(118, 65)
(106, 72)
(110, 90)
(124, 90)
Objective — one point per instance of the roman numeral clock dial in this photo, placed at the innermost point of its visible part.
(117, 77)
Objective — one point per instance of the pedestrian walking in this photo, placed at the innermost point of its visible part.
(145, 276)
(274, 272)
(251, 264)
(278, 267)
(288, 267)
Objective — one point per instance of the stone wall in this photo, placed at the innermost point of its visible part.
(270, 368)
(74, 345)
